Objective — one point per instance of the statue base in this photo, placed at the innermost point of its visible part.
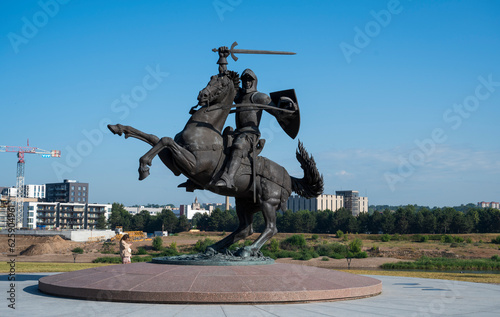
(195, 284)
(213, 260)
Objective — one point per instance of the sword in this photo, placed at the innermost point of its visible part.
(233, 50)
(243, 105)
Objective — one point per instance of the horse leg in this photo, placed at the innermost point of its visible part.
(269, 207)
(245, 216)
(183, 158)
(128, 131)
(151, 139)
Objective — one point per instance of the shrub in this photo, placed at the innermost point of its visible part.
(285, 254)
(468, 240)
(201, 245)
(447, 239)
(169, 252)
(107, 248)
(385, 237)
(338, 256)
(355, 245)
(458, 239)
(173, 246)
(294, 242)
(141, 251)
(330, 249)
(339, 234)
(496, 257)
(314, 237)
(496, 240)
(360, 255)
(305, 255)
(108, 259)
(274, 245)
(77, 250)
(157, 243)
(137, 258)
(325, 258)
(424, 238)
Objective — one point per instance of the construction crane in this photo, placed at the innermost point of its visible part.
(21, 150)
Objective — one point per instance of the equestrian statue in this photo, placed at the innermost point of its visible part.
(227, 161)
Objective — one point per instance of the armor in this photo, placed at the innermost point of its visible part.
(247, 131)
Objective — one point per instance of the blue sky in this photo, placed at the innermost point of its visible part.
(399, 99)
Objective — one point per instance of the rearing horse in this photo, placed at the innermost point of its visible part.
(199, 152)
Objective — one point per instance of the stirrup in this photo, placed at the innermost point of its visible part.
(225, 181)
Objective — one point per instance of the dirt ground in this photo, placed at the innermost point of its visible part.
(57, 249)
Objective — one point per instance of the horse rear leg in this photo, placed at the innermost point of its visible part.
(269, 207)
(245, 210)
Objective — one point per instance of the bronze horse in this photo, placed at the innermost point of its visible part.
(199, 152)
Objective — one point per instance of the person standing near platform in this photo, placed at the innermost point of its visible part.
(125, 250)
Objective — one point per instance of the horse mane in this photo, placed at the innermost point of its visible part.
(235, 77)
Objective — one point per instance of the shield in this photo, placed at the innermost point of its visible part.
(289, 122)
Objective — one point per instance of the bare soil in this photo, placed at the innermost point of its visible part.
(57, 249)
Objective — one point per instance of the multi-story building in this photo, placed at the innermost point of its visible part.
(50, 215)
(345, 199)
(5, 204)
(70, 191)
(353, 202)
(34, 191)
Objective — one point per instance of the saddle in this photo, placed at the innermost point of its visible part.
(246, 167)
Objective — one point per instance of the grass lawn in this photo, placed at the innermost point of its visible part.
(36, 267)
(466, 277)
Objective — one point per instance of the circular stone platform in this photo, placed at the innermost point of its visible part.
(186, 284)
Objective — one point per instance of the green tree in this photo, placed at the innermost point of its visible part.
(101, 222)
(120, 217)
(182, 224)
(387, 223)
(324, 218)
(167, 220)
(157, 243)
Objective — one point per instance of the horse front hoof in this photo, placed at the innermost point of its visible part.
(143, 172)
(115, 128)
(244, 252)
(210, 251)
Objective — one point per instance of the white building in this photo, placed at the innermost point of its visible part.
(354, 203)
(152, 211)
(34, 191)
(51, 215)
(190, 210)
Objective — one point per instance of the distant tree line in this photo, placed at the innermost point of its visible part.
(143, 221)
(404, 220)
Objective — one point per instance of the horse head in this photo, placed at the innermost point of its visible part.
(220, 89)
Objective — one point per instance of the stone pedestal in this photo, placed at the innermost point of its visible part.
(187, 284)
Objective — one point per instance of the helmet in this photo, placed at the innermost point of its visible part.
(248, 73)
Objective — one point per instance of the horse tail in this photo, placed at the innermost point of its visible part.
(311, 185)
